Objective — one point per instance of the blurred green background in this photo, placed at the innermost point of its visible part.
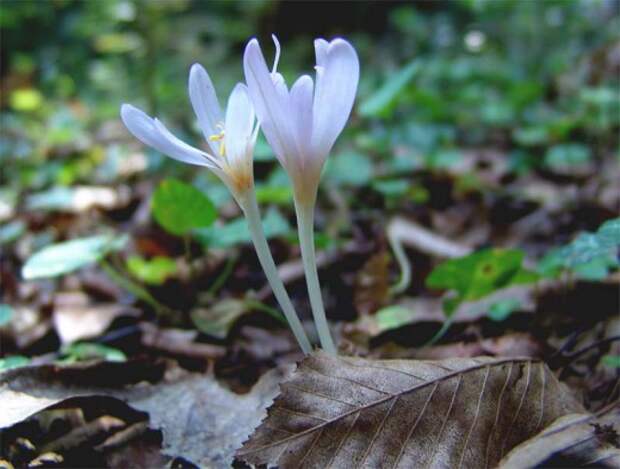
(532, 83)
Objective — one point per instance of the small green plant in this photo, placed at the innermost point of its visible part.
(589, 256)
(479, 274)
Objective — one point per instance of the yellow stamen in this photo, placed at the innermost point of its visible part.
(219, 138)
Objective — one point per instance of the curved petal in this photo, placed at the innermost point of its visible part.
(239, 126)
(204, 101)
(153, 133)
(270, 108)
(336, 84)
(320, 50)
(300, 101)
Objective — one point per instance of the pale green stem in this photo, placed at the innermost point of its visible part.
(250, 208)
(305, 226)
(405, 267)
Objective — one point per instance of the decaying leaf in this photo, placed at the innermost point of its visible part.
(28, 390)
(371, 284)
(200, 420)
(75, 317)
(352, 412)
(574, 440)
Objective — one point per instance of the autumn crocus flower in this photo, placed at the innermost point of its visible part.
(301, 125)
(230, 140)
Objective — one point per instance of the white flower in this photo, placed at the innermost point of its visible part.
(302, 124)
(230, 141)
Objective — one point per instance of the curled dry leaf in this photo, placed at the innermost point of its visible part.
(351, 412)
(574, 440)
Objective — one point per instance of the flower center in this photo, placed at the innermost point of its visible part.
(219, 137)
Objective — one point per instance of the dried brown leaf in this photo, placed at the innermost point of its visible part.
(200, 420)
(352, 412)
(574, 440)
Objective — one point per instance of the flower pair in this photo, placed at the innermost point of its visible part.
(300, 124)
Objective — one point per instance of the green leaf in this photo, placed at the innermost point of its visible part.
(479, 274)
(567, 156)
(237, 232)
(153, 271)
(503, 309)
(609, 233)
(9, 232)
(393, 317)
(392, 187)
(589, 255)
(87, 351)
(268, 194)
(352, 169)
(6, 314)
(380, 103)
(179, 207)
(531, 136)
(612, 361)
(218, 319)
(13, 361)
(443, 159)
(65, 257)
(26, 99)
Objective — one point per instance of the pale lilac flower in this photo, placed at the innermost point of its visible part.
(231, 138)
(302, 124)
(230, 153)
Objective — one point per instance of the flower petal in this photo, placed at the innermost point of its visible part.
(239, 126)
(300, 100)
(320, 49)
(153, 133)
(270, 108)
(336, 84)
(204, 101)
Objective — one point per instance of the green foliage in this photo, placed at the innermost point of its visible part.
(349, 169)
(153, 271)
(237, 232)
(589, 256)
(479, 274)
(501, 310)
(6, 314)
(179, 207)
(13, 361)
(218, 319)
(269, 194)
(380, 103)
(9, 232)
(65, 257)
(82, 351)
(393, 317)
(612, 361)
(568, 156)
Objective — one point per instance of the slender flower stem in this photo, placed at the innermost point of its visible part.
(250, 208)
(305, 226)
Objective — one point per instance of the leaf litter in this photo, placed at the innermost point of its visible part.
(199, 420)
(352, 412)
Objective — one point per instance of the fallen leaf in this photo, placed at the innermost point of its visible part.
(574, 440)
(352, 412)
(371, 284)
(27, 390)
(200, 420)
(78, 199)
(218, 319)
(178, 342)
(75, 318)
